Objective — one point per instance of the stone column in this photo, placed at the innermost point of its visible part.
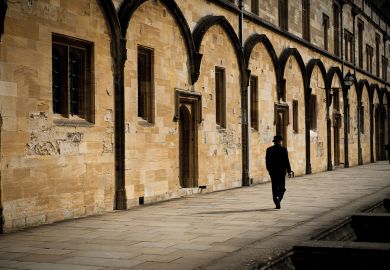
(328, 129)
(346, 117)
(307, 128)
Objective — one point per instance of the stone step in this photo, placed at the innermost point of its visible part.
(386, 204)
(371, 227)
(321, 255)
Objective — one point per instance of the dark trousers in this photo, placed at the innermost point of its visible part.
(278, 185)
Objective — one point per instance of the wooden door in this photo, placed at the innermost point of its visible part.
(188, 151)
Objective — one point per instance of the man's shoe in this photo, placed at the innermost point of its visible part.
(277, 203)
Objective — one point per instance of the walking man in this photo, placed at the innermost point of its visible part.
(277, 164)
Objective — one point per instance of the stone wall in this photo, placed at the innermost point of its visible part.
(318, 136)
(51, 168)
(152, 149)
(365, 136)
(261, 65)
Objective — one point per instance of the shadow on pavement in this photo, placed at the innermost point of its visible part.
(238, 211)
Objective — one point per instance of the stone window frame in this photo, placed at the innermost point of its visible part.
(361, 118)
(145, 91)
(283, 14)
(306, 20)
(254, 102)
(369, 52)
(220, 97)
(384, 67)
(377, 54)
(326, 25)
(295, 112)
(348, 45)
(255, 8)
(73, 100)
(360, 41)
(313, 112)
(336, 28)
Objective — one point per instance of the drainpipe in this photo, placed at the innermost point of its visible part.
(120, 191)
(307, 128)
(372, 133)
(328, 128)
(358, 106)
(386, 38)
(1, 201)
(244, 104)
(388, 128)
(345, 96)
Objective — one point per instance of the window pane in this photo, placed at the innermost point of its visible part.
(76, 79)
(220, 97)
(254, 103)
(59, 77)
(295, 115)
(72, 71)
(145, 84)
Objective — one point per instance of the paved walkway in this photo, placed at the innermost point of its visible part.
(234, 229)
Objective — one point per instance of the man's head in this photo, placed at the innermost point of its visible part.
(278, 140)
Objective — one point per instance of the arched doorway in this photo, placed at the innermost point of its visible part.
(188, 149)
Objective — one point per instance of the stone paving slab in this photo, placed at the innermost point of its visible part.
(233, 229)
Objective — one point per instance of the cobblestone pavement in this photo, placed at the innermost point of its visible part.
(233, 229)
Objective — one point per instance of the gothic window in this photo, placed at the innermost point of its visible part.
(377, 43)
(360, 42)
(348, 42)
(72, 92)
(384, 68)
(306, 19)
(336, 27)
(369, 52)
(336, 100)
(145, 84)
(295, 116)
(255, 6)
(254, 103)
(220, 97)
(362, 119)
(283, 14)
(313, 112)
(325, 24)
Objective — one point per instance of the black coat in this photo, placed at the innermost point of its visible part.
(276, 160)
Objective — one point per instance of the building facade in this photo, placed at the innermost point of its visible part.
(112, 104)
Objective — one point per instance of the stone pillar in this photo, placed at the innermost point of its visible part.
(328, 129)
(307, 129)
(346, 117)
(244, 125)
(120, 191)
(359, 107)
(371, 132)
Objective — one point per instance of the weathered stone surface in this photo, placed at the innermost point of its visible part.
(44, 175)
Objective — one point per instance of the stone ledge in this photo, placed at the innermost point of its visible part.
(340, 255)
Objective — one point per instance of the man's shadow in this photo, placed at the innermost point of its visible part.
(238, 211)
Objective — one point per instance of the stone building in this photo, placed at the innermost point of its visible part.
(110, 104)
